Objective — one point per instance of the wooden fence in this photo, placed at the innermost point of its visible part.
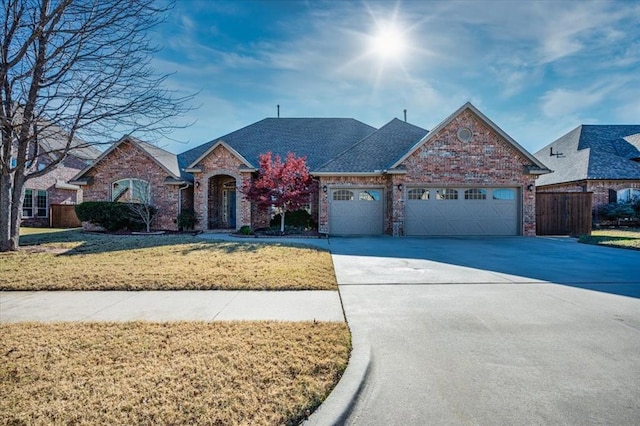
(63, 216)
(563, 213)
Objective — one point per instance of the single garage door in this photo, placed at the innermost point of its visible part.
(356, 211)
(462, 211)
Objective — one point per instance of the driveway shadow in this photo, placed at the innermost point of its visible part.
(492, 259)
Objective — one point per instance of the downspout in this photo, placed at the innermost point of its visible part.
(186, 185)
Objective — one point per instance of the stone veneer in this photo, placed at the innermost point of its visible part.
(127, 161)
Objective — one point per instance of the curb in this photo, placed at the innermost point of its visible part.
(338, 406)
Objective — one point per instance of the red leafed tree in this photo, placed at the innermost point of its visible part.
(286, 185)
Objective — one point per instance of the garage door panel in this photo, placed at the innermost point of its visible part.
(462, 216)
(361, 215)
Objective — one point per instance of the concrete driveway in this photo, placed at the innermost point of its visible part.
(493, 330)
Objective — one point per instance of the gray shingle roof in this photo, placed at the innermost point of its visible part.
(593, 152)
(319, 139)
(378, 151)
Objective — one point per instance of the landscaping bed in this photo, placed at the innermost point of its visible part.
(258, 373)
(77, 260)
(620, 237)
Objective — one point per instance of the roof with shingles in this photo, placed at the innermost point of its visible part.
(318, 139)
(596, 152)
(377, 151)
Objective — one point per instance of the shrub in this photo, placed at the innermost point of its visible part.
(187, 219)
(296, 219)
(112, 216)
(245, 230)
(615, 211)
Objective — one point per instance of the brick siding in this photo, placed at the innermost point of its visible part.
(600, 189)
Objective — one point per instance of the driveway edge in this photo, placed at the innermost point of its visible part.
(339, 404)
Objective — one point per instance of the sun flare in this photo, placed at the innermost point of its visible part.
(389, 43)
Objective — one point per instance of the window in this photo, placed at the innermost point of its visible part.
(369, 195)
(418, 194)
(343, 195)
(35, 204)
(447, 194)
(27, 204)
(628, 194)
(475, 194)
(130, 191)
(504, 194)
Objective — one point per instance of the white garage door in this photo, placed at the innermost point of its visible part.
(356, 211)
(462, 211)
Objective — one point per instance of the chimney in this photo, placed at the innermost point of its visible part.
(405, 115)
(278, 111)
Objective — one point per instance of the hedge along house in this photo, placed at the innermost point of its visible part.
(466, 177)
(602, 159)
(135, 171)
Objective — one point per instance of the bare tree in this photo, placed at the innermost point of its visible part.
(73, 71)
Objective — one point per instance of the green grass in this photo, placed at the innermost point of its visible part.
(623, 238)
(77, 260)
(223, 373)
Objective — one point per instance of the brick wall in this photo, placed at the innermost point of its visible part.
(217, 163)
(600, 189)
(128, 161)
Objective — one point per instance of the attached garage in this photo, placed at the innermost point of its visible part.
(462, 211)
(356, 211)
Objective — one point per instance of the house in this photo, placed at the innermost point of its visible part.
(602, 159)
(52, 187)
(465, 177)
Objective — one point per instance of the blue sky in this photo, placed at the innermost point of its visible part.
(537, 69)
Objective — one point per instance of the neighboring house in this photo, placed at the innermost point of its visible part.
(53, 187)
(135, 171)
(603, 159)
(465, 177)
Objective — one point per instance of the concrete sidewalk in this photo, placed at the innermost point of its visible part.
(48, 306)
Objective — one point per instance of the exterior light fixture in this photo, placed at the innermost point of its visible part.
(197, 184)
(530, 187)
(399, 187)
(324, 189)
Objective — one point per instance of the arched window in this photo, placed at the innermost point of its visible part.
(628, 194)
(504, 194)
(447, 194)
(475, 194)
(131, 191)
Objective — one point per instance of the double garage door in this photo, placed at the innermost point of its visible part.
(428, 211)
(461, 211)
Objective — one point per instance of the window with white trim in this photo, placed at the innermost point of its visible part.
(36, 203)
(475, 194)
(418, 194)
(628, 194)
(131, 191)
(343, 195)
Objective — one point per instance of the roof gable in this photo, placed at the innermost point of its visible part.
(593, 152)
(318, 139)
(536, 166)
(194, 164)
(166, 160)
(377, 151)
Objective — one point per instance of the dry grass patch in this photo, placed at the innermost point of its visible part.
(258, 373)
(623, 238)
(75, 260)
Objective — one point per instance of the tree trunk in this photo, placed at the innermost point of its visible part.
(282, 221)
(9, 209)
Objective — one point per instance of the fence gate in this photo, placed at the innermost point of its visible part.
(563, 213)
(63, 216)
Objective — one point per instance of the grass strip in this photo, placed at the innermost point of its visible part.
(257, 373)
(76, 260)
(622, 238)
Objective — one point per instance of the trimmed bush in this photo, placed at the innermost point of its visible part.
(296, 219)
(112, 216)
(187, 219)
(615, 211)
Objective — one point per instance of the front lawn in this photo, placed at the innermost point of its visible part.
(625, 238)
(77, 260)
(258, 373)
